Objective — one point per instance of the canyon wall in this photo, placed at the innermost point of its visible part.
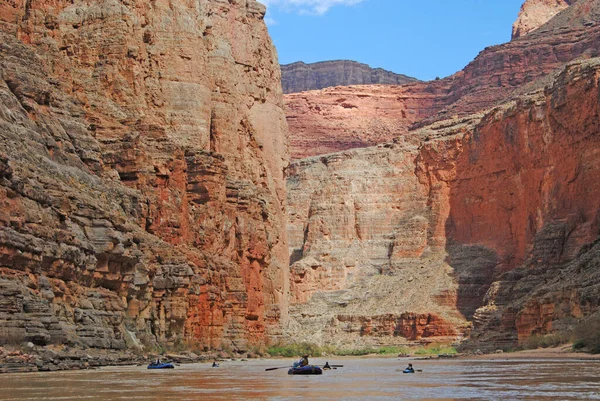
(539, 210)
(488, 223)
(481, 220)
(300, 77)
(348, 117)
(322, 121)
(364, 268)
(142, 153)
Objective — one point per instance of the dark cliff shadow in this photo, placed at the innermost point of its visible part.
(474, 268)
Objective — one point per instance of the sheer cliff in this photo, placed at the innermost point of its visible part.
(484, 226)
(480, 220)
(142, 150)
(300, 77)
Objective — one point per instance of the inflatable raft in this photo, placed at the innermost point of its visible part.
(161, 366)
(305, 370)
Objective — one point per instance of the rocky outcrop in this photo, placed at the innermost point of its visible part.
(300, 77)
(142, 149)
(498, 74)
(360, 246)
(535, 13)
(490, 219)
(340, 118)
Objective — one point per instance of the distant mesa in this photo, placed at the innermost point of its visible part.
(300, 77)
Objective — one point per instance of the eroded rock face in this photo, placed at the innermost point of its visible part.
(300, 77)
(361, 246)
(546, 217)
(535, 13)
(141, 164)
(320, 123)
(470, 213)
(471, 220)
(349, 117)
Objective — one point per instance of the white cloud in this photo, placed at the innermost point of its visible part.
(318, 7)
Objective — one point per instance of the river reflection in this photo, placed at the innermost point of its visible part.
(359, 379)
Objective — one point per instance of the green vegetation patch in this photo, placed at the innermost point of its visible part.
(390, 350)
(547, 340)
(587, 335)
(298, 349)
(436, 349)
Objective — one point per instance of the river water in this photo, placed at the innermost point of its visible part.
(359, 379)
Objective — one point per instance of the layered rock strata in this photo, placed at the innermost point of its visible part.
(492, 219)
(497, 74)
(141, 174)
(542, 212)
(339, 118)
(300, 77)
(362, 256)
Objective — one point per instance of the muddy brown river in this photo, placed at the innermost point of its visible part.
(359, 379)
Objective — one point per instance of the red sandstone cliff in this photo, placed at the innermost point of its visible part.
(489, 218)
(323, 121)
(142, 152)
(539, 207)
(347, 117)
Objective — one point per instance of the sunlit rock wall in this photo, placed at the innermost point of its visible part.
(142, 147)
(489, 219)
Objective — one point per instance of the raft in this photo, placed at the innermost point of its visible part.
(161, 366)
(408, 371)
(306, 370)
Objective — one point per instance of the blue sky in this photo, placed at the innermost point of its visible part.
(424, 39)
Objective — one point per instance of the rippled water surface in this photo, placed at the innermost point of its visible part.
(359, 379)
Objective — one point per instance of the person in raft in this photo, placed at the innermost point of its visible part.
(215, 364)
(410, 368)
(326, 366)
(303, 361)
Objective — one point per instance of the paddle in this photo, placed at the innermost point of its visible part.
(286, 367)
(282, 367)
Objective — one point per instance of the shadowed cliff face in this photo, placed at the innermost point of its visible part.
(142, 154)
(544, 214)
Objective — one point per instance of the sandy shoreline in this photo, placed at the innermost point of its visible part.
(48, 359)
(563, 352)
